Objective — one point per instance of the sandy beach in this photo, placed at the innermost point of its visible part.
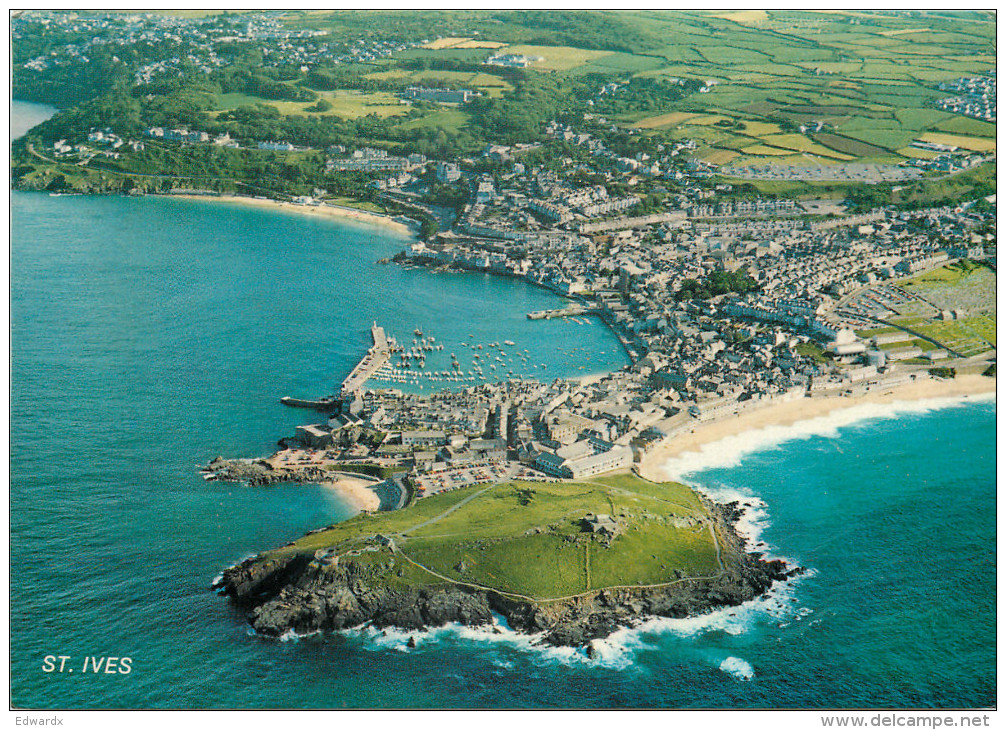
(324, 211)
(785, 414)
(355, 491)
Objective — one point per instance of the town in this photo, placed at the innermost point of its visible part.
(733, 276)
(824, 315)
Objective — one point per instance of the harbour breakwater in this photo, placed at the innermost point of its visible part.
(258, 472)
(322, 404)
(378, 354)
(391, 493)
(571, 311)
(305, 593)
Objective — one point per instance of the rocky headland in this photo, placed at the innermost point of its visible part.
(306, 592)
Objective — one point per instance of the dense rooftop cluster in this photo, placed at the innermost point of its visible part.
(717, 317)
(183, 45)
(723, 298)
(975, 97)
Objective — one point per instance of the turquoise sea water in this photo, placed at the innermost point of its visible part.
(149, 335)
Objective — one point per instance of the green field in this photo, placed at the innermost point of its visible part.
(345, 103)
(811, 350)
(874, 331)
(559, 58)
(983, 325)
(527, 538)
(447, 119)
(976, 144)
(372, 208)
(966, 126)
(486, 83)
(961, 336)
(870, 77)
(923, 345)
(952, 274)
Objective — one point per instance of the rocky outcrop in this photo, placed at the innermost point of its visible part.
(307, 593)
(257, 472)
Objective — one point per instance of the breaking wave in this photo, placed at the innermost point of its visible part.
(777, 607)
(731, 450)
(498, 633)
(737, 668)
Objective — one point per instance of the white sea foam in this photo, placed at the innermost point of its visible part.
(616, 652)
(291, 635)
(754, 513)
(496, 633)
(737, 668)
(731, 450)
(218, 579)
(777, 605)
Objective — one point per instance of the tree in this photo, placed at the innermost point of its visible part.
(717, 283)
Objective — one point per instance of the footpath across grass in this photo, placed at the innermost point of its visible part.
(531, 538)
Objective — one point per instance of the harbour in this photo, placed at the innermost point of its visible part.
(425, 362)
(189, 397)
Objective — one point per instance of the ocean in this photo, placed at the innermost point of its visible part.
(149, 335)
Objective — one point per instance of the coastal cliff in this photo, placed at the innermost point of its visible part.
(305, 592)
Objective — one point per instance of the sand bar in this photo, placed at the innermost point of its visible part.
(324, 211)
(785, 414)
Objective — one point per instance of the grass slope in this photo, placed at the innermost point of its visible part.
(526, 538)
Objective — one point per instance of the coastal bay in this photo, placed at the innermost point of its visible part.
(26, 114)
(335, 212)
(747, 425)
(355, 492)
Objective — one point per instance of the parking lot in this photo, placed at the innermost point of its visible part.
(448, 479)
